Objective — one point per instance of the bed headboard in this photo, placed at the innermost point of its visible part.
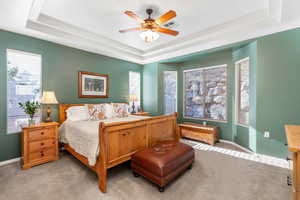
(64, 107)
(62, 111)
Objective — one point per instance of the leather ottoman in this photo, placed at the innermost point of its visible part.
(163, 162)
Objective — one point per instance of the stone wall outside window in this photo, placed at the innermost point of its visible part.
(206, 93)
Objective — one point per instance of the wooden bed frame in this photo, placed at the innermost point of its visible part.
(120, 140)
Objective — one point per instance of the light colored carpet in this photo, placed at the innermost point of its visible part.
(215, 176)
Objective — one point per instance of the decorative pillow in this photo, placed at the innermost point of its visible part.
(120, 110)
(77, 113)
(96, 111)
(109, 111)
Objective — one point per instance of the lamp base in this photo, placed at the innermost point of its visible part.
(49, 119)
(133, 108)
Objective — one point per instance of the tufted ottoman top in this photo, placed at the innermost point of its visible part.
(164, 157)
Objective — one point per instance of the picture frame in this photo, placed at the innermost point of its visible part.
(92, 85)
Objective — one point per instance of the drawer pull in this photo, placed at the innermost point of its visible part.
(42, 154)
(53, 142)
(42, 144)
(42, 133)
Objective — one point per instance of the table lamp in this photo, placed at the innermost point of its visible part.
(49, 98)
(133, 98)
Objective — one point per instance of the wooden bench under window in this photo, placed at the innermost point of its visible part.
(204, 133)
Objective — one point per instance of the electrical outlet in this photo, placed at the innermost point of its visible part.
(267, 134)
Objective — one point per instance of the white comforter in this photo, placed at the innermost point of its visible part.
(83, 136)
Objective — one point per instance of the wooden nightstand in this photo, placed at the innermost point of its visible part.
(39, 144)
(141, 114)
(205, 133)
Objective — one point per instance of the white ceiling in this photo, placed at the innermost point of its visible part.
(93, 25)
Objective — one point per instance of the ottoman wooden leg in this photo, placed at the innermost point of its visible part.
(190, 167)
(161, 189)
(135, 174)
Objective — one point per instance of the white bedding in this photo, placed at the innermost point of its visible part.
(83, 136)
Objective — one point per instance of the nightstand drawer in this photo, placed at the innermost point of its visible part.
(41, 134)
(43, 154)
(40, 145)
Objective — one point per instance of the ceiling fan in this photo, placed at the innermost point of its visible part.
(151, 26)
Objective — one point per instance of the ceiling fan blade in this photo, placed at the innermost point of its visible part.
(134, 16)
(167, 31)
(130, 29)
(166, 17)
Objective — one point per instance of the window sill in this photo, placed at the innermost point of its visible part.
(242, 125)
(209, 120)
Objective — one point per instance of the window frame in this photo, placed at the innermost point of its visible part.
(176, 106)
(237, 91)
(6, 83)
(226, 104)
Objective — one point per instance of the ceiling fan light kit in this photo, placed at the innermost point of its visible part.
(150, 26)
(149, 36)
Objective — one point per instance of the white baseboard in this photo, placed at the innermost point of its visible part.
(249, 151)
(248, 154)
(261, 156)
(7, 162)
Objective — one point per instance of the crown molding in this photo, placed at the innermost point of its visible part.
(207, 34)
(72, 40)
(250, 26)
(36, 9)
(55, 23)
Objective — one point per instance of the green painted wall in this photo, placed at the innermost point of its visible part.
(150, 88)
(60, 65)
(211, 59)
(153, 96)
(274, 88)
(278, 98)
(274, 77)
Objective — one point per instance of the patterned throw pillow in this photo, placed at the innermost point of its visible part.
(120, 110)
(109, 111)
(96, 111)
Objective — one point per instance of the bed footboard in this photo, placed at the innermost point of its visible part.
(120, 140)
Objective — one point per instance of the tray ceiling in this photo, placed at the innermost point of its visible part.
(93, 25)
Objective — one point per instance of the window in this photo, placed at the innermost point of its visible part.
(23, 84)
(170, 92)
(205, 93)
(242, 92)
(135, 87)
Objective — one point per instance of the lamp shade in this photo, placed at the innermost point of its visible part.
(133, 97)
(49, 98)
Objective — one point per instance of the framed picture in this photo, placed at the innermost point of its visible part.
(92, 85)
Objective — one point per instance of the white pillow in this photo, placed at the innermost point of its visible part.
(109, 111)
(77, 113)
